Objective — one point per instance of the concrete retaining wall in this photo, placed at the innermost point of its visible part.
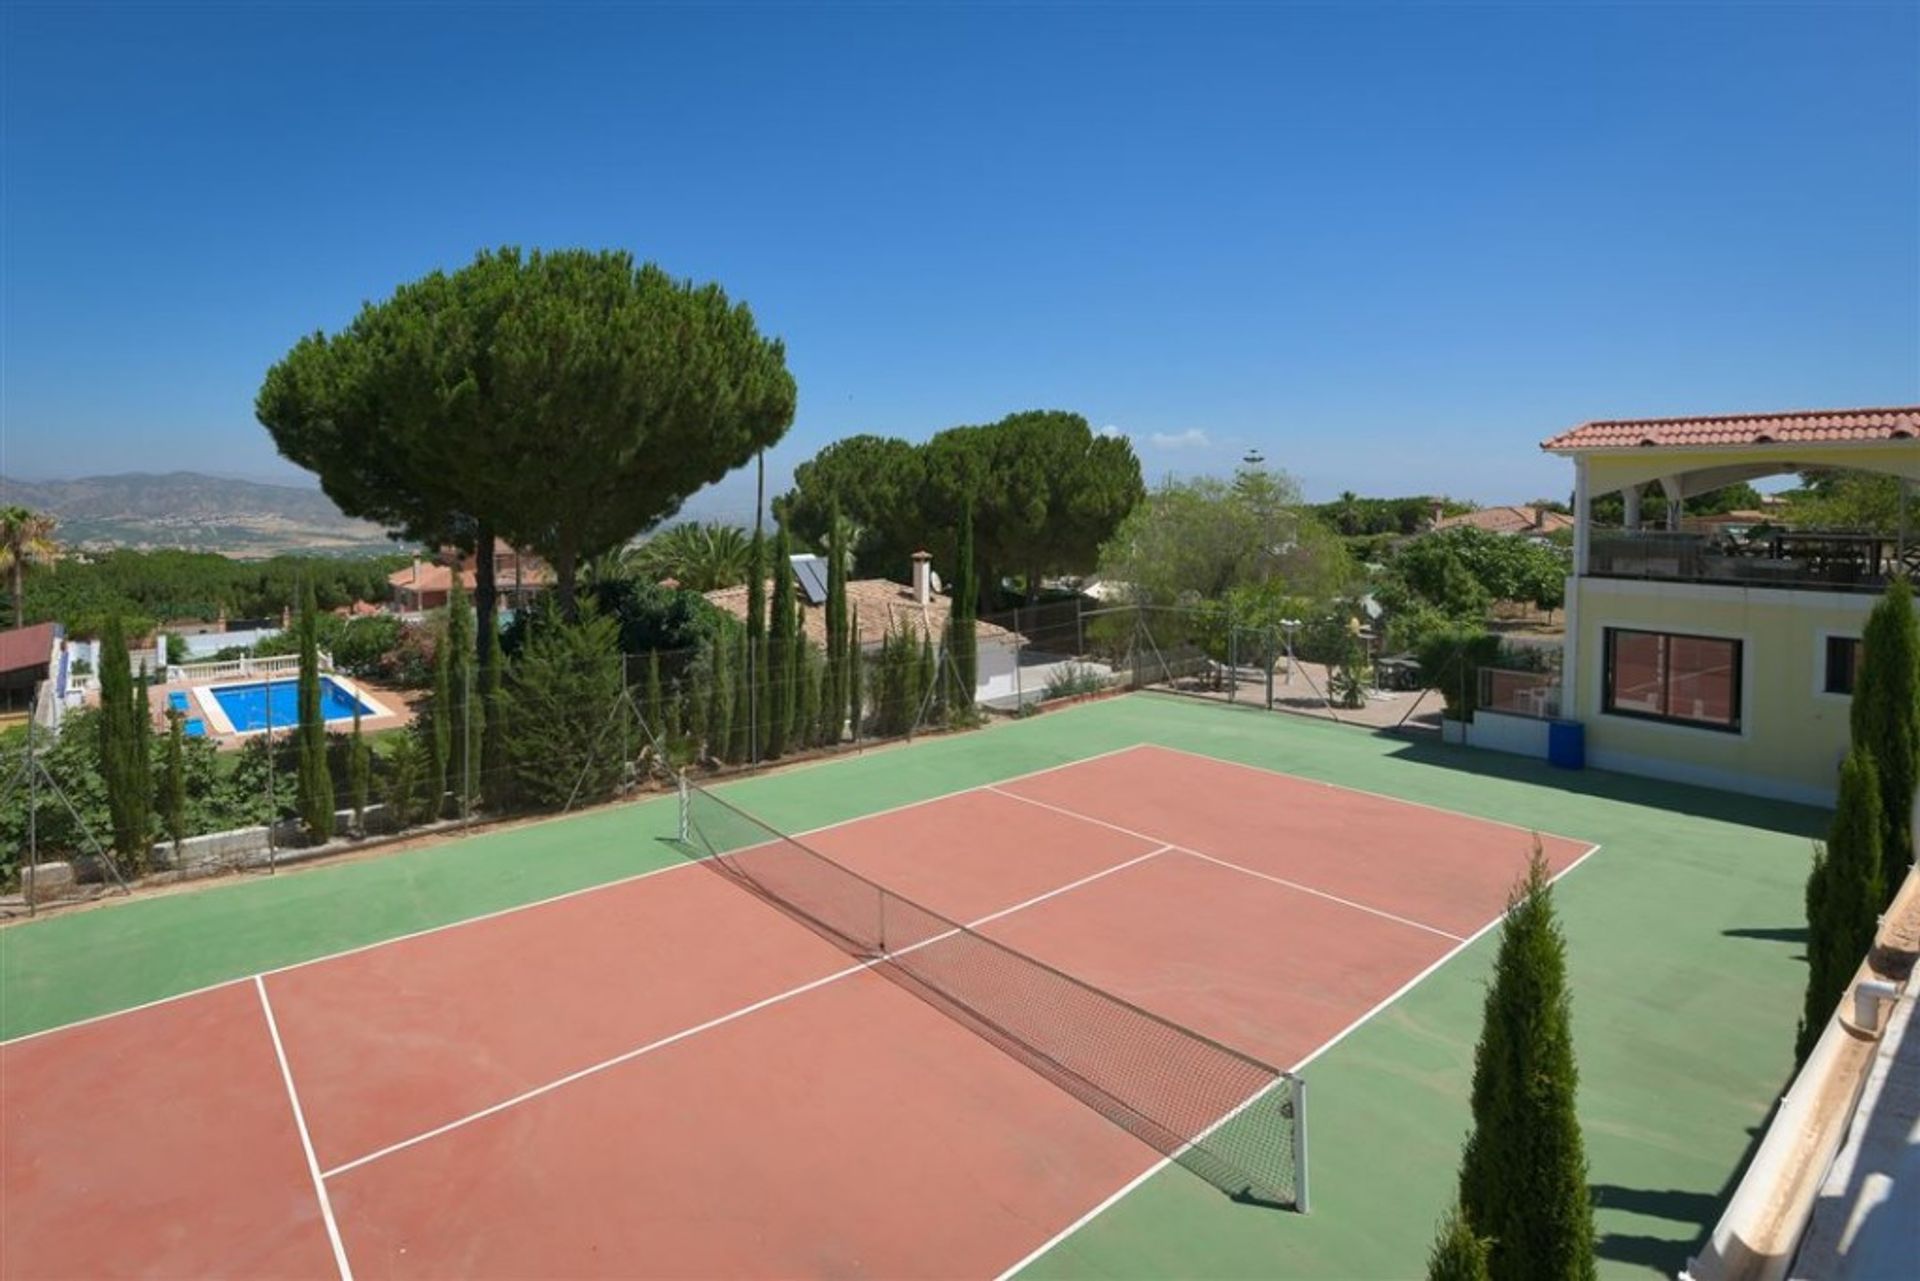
(1503, 732)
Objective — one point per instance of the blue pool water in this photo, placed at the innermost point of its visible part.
(247, 705)
(179, 702)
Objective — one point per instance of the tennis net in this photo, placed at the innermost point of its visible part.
(1233, 1120)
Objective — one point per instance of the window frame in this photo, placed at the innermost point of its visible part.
(1737, 701)
(1822, 669)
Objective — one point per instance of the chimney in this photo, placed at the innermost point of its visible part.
(416, 571)
(1439, 512)
(922, 578)
(1539, 517)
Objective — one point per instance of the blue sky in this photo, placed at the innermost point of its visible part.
(1393, 247)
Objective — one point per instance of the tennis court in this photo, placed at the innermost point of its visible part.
(668, 1075)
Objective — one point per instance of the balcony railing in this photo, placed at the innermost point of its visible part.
(1834, 561)
(1520, 693)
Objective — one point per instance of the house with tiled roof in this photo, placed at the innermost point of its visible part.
(30, 657)
(881, 607)
(1721, 653)
(518, 576)
(1524, 519)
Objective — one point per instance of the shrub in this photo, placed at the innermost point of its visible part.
(1523, 1175)
(560, 692)
(1069, 680)
(1459, 1253)
(403, 781)
(1843, 897)
(1886, 723)
(363, 646)
(1450, 661)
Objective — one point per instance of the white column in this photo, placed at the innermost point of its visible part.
(1582, 517)
(1570, 612)
(1670, 485)
(1632, 496)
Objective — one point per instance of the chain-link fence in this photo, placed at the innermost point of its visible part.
(589, 730)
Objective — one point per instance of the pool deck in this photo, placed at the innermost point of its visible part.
(395, 707)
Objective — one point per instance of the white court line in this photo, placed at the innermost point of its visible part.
(1382, 913)
(1264, 772)
(1308, 889)
(306, 1140)
(1120, 1193)
(628, 1056)
(542, 902)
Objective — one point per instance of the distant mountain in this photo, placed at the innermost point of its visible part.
(194, 511)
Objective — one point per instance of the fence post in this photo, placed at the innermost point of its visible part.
(1267, 659)
(1233, 658)
(1019, 690)
(1139, 636)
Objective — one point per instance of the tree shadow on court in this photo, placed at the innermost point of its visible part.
(1770, 934)
(1698, 1210)
(1785, 817)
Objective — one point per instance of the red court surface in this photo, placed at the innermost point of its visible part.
(668, 1077)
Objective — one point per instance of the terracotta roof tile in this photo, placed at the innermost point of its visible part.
(1508, 520)
(883, 606)
(26, 647)
(1814, 426)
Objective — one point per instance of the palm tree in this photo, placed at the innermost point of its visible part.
(1348, 518)
(698, 556)
(26, 538)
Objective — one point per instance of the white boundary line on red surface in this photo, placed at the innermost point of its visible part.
(541, 902)
(1357, 791)
(1120, 1193)
(1370, 910)
(306, 1140)
(628, 1056)
(1308, 889)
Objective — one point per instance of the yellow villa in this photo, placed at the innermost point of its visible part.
(1724, 655)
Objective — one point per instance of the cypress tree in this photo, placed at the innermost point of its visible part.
(833, 689)
(966, 606)
(174, 808)
(140, 762)
(807, 670)
(491, 729)
(653, 703)
(359, 771)
(740, 747)
(1885, 720)
(1458, 1253)
(403, 780)
(1843, 897)
(315, 778)
(440, 745)
(856, 696)
(699, 700)
(756, 664)
(781, 651)
(123, 735)
(1523, 1176)
(495, 775)
(720, 723)
(924, 674)
(460, 723)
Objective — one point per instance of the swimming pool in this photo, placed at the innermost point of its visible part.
(255, 706)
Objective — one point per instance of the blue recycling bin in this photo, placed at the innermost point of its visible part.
(1567, 744)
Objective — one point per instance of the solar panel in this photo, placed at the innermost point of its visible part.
(811, 573)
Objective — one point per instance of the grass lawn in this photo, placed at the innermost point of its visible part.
(1685, 962)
